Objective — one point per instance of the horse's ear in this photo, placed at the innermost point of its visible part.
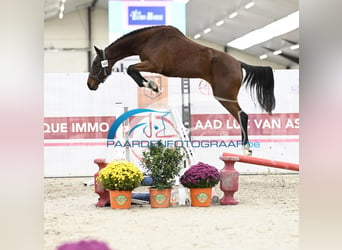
(98, 51)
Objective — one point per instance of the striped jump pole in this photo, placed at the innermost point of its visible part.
(229, 177)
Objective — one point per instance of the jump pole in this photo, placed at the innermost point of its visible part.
(229, 177)
(264, 162)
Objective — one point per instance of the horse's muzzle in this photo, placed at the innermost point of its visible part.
(92, 84)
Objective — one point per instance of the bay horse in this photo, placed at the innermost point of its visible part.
(165, 50)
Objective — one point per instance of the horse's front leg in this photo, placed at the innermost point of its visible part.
(137, 77)
(133, 71)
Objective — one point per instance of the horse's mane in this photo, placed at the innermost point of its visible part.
(134, 32)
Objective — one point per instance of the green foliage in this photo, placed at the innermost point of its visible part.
(162, 164)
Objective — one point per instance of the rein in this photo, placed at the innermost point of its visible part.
(104, 67)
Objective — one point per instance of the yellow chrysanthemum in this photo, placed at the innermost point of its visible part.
(120, 175)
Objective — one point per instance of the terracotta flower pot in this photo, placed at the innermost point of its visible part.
(200, 197)
(160, 198)
(120, 199)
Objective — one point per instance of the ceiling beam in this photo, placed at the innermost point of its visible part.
(289, 41)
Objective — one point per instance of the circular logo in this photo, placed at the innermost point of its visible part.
(205, 88)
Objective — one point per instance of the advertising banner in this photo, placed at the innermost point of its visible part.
(146, 15)
(81, 125)
(126, 16)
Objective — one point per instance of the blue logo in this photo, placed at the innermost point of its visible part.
(139, 15)
(116, 124)
(154, 130)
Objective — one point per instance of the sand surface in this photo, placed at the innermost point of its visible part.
(265, 218)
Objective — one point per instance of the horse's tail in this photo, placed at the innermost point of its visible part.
(261, 79)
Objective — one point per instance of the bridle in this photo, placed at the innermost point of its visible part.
(104, 68)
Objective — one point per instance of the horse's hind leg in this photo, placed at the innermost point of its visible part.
(233, 107)
(243, 121)
(226, 79)
(147, 66)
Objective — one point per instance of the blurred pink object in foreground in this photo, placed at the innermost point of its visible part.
(84, 245)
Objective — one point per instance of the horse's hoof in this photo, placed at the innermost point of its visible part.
(152, 85)
(247, 151)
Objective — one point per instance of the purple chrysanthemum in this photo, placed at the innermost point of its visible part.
(200, 175)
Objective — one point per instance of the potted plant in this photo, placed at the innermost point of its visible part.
(200, 178)
(120, 178)
(162, 164)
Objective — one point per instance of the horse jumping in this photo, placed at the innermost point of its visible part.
(165, 50)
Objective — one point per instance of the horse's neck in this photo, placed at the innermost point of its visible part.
(121, 49)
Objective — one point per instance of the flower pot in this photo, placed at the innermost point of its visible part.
(160, 198)
(120, 199)
(200, 197)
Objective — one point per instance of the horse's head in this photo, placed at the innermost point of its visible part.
(100, 69)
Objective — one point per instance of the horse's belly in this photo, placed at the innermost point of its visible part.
(183, 67)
